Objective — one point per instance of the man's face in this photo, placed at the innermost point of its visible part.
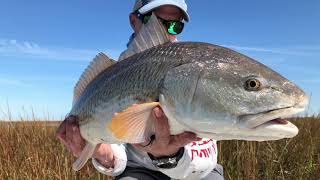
(167, 12)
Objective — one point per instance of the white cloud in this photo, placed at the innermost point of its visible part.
(13, 82)
(26, 81)
(25, 49)
(310, 81)
(298, 50)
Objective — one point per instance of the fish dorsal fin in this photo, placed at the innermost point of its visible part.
(151, 34)
(100, 63)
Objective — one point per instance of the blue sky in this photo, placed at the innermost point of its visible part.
(45, 46)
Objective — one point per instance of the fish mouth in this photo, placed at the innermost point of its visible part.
(275, 116)
(271, 117)
(279, 121)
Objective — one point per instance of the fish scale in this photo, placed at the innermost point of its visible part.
(129, 72)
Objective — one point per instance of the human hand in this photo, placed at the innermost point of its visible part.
(165, 144)
(69, 134)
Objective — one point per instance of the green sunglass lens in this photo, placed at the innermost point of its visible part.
(172, 29)
(146, 19)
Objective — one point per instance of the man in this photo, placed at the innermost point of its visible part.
(164, 156)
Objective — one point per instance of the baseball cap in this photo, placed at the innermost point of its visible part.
(144, 6)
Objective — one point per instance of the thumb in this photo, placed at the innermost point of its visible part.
(183, 139)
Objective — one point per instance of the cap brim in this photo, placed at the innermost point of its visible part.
(155, 4)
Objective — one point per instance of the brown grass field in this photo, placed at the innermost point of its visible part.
(29, 150)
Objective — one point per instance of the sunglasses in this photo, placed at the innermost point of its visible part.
(173, 27)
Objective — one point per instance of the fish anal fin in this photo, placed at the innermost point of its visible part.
(134, 124)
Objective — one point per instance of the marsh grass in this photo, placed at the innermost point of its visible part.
(29, 150)
(296, 158)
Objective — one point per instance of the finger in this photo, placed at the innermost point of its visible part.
(103, 151)
(138, 146)
(72, 126)
(143, 144)
(61, 132)
(71, 130)
(183, 139)
(72, 119)
(162, 129)
(141, 147)
(78, 139)
(68, 133)
(74, 140)
(147, 145)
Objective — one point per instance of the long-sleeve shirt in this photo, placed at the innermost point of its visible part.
(198, 160)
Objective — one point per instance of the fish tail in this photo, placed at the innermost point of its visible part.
(84, 156)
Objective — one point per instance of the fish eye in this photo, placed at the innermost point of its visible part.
(252, 84)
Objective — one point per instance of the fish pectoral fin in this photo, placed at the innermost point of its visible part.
(134, 124)
(84, 156)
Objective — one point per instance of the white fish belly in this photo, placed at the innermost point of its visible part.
(96, 130)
